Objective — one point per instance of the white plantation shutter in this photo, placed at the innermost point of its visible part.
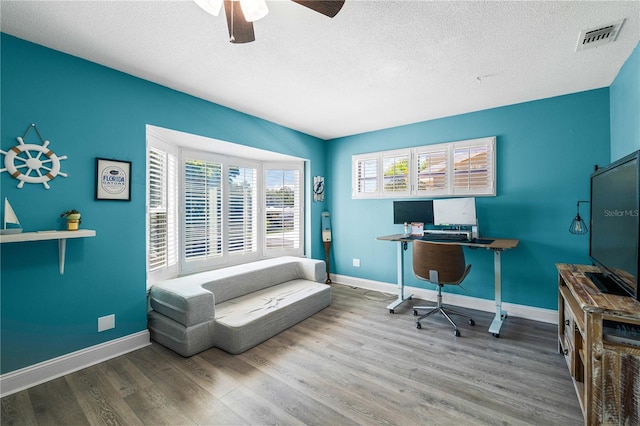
(208, 210)
(365, 176)
(162, 244)
(473, 169)
(283, 210)
(395, 169)
(432, 167)
(439, 170)
(242, 212)
(202, 207)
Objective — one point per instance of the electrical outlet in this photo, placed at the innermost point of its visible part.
(106, 323)
(356, 263)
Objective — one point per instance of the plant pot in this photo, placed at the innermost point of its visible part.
(73, 222)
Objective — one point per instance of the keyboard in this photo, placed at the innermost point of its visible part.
(445, 237)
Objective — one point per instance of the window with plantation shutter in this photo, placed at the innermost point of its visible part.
(473, 168)
(202, 219)
(242, 212)
(395, 172)
(162, 244)
(209, 209)
(432, 170)
(283, 209)
(440, 170)
(365, 176)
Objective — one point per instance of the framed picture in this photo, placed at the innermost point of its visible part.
(113, 179)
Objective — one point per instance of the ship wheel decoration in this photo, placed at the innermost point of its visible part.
(32, 163)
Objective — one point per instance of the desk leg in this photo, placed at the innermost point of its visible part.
(500, 314)
(400, 265)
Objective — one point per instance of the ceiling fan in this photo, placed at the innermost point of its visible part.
(242, 13)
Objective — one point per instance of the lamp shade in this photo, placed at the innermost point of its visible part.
(254, 9)
(210, 6)
(577, 224)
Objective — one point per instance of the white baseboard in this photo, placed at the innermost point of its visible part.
(36, 374)
(513, 310)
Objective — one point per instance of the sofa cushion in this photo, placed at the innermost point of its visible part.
(245, 321)
(235, 281)
(184, 340)
(183, 300)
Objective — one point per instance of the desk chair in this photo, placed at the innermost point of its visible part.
(441, 264)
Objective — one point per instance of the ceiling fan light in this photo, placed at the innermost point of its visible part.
(254, 9)
(210, 6)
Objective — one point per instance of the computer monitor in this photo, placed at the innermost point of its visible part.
(455, 212)
(413, 211)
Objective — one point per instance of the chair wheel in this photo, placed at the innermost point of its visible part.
(472, 322)
(415, 312)
(456, 333)
(418, 325)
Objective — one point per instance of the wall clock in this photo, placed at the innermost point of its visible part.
(31, 163)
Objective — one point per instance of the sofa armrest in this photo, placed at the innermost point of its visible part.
(184, 302)
(314, 270)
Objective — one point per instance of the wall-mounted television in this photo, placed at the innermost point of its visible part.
(615, 226)
(413, 211)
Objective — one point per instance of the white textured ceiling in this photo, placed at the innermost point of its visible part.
(377, 64)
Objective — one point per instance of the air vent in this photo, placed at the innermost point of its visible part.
(598, 36)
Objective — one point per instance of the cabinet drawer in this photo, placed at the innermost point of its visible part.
(569, 355)
(569, 325)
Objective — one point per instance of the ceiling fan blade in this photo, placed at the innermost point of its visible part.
(240, 31)
(329, 8)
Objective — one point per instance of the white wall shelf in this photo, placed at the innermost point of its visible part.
(61, 236)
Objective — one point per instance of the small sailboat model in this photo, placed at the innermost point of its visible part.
(11, 223)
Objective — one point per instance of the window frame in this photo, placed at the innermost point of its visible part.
(395, 154)
(158, 140)
(299, 168)
(448, 187)
(171, 267)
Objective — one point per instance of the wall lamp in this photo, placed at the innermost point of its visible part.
(577, 224)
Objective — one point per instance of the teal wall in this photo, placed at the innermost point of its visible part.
(546, 151)
(625, 108)
(88, 111)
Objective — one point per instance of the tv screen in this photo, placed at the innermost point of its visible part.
(455, 211)
(413, 211)
(615, 230)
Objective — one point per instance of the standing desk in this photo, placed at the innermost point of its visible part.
(497, 246)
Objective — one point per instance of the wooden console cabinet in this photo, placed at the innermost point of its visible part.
(599, 336)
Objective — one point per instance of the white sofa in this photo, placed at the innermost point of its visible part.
(237, 307)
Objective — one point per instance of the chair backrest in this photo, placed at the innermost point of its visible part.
(447, 259)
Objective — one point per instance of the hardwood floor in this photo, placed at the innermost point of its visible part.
(353, 363)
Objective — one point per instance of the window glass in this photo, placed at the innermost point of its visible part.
(202, 209)
(396, 173)
(242, 213)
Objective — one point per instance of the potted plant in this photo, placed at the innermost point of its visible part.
(73, 219)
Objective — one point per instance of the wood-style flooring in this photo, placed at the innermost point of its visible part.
(353, 363)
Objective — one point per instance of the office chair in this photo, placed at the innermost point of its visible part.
(441, 264)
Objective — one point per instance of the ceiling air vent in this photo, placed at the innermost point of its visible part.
(598, 36)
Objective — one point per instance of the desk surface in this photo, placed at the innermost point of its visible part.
(496, 244)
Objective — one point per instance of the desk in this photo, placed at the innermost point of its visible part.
(497, 246)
